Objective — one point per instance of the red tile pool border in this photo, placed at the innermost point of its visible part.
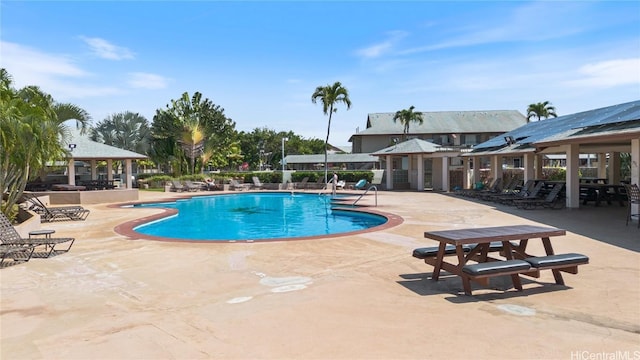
(126, 228)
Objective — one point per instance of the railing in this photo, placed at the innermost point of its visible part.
(365, 193)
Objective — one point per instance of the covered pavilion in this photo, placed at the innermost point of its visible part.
(606, 132)
(82, 148)
(416, 151)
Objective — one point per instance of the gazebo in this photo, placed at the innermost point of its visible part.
(82, 148)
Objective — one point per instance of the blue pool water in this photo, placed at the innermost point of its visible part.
(256, 216)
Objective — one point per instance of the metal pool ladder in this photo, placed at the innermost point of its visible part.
(365, 193)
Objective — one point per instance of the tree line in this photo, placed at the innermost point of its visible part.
(190, 135)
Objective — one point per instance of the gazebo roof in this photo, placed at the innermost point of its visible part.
(412, 146)
(87, 149)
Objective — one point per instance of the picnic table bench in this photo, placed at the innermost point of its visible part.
(475, 244)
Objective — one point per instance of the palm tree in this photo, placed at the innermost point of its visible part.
(541, 110)
(407, 116)
(192, 139)
(32, 132)
(188, 127)
(330, 96)
(126, 130)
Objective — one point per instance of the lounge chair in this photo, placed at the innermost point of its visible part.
(177, 186)
(361, 184)
(523, 194)
(302, 184)
(495, 188)
(191, 186)
(256, 183)
(549, 201)
(59, 213)
(9, 237)
(339, 184)
(508, 189)
(235, 185)
(211, 185)
(17, 253)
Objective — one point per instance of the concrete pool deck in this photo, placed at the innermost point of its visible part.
(352, 297)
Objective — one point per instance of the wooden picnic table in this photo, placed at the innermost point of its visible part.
(599, 192)
(474, 244)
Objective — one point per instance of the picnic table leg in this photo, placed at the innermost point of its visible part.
(508, 254)
(520, 250)
(549, 250)
(439, 259)
(466, 283)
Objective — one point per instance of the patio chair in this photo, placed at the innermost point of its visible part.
(525, 193)
(177, 186)
(9, 236)
(256, 183)
(211, 184)
(633, 199)
(17, 253)
(302, 184)
(59, 213)
(495, 188)
(477, 187)
(550, 201)
(191, 186)
(361, 184)
(235, 185)
(509, 189)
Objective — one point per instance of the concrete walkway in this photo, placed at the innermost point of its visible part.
(353, 297)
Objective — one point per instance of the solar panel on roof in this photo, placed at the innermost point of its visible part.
(539, 130)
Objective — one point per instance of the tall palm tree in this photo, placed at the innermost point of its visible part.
(330, 96)
(541, 110)
(406, 117)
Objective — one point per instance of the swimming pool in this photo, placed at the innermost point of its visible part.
(255, 216)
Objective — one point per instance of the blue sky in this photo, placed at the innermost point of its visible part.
(262, 60)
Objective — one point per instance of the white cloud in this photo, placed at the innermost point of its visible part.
(610, 73)
(147, 81)
(519, 25)
(104, 49)
(55, 74)
(382, 48)
(29, 66)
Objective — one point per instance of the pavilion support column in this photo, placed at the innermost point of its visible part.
(109, 169)
(635, 169)
(572, 185)
(466, 172)
(71, 172)
(614, 168)
(389, 172)
(94, 169)
(538, 166)
(602, 165)
(496, 167)
(635, 161)
(529, 166)
(476, 170)
(420, 184)
(445, 173)
(129, 171)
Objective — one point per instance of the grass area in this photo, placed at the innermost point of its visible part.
(152, 189)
